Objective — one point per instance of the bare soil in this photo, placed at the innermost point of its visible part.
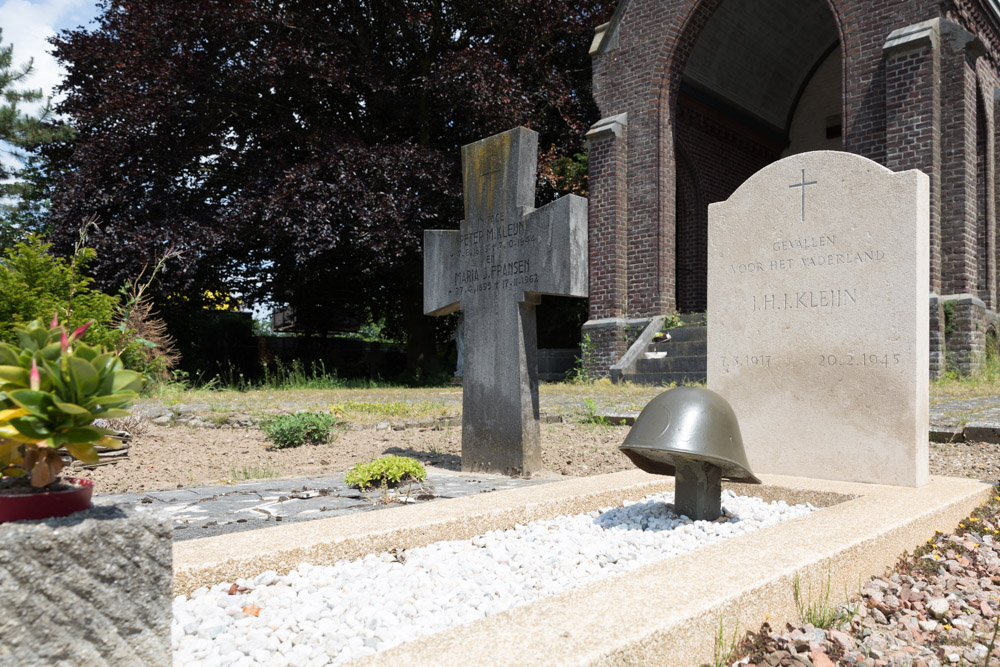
(177, 456)
(412, 422)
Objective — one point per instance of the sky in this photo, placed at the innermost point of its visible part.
(27, 24)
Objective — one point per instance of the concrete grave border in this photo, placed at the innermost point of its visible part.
(665, 613)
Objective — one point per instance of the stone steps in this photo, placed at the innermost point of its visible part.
(671, 364)
(681, 358)
(682, 348)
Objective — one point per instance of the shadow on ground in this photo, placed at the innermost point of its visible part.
(436, 459)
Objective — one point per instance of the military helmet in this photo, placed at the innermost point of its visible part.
(688, 423)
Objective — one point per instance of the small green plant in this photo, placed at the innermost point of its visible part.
(304, 428)
(218, 418)
(581, 368)
(819, 612)
(948, 311)
(993, 641)
(591, 416)
(724, 649)
(671, 322)
(243, 473)
(388, 470)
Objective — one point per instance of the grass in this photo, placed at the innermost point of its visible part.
(723, 650)
(404, 401)
(282, 377)
(295, 376)
(365, 411)
(819, 612)
(986, 382)
(248, 472)
(591, 416)
(384, 402)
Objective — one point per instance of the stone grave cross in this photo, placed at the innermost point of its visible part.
(495, 269)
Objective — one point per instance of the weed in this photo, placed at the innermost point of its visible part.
(218, 418)
(243, 473)
(581, 368)
(591, 416)
(293, 375)
(388, 470)
(993, 641)
(723, 650)
(312, 428)
(134, 425)
(672, 322)
(819, 612)
(984, 382)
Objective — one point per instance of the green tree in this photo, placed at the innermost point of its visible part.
(36, 284)
(24, 136)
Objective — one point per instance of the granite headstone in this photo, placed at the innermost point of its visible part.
(494, 268)
(818, 319)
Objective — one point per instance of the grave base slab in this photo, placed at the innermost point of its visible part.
(665, 613)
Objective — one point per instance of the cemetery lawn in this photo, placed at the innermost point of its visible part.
(214, 435)
(986, 383)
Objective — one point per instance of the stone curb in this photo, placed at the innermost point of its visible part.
(946, 433)
(971, 432)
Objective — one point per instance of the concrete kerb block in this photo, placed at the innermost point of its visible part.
(946, 433)
(668, 613)
(91, 588)
(982, 432)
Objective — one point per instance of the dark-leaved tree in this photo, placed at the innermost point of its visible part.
(295, 150)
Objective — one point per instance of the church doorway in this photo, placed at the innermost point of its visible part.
(762, 80)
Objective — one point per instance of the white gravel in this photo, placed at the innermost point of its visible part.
(319, 615)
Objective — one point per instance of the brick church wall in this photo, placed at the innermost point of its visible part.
(928, 106)
(703, 179)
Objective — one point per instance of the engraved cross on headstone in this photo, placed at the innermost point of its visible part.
(803, 185)
(495, 268)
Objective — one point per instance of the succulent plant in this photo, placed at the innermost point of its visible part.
(389, 469)
(52, 388)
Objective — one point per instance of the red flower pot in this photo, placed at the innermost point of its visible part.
(47, 504)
